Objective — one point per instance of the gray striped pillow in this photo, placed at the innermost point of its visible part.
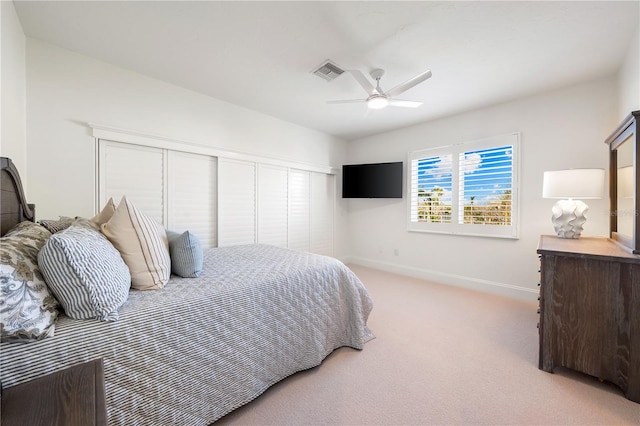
(85, 273)
(186, 254)
(54, 226)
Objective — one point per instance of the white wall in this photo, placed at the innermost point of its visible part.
(66, 90)
(629, 79)
(560, 129)
(12, 86)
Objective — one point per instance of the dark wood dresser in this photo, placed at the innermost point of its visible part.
(74, 396)
(590, 310)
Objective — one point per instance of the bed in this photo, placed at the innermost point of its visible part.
(200, 347)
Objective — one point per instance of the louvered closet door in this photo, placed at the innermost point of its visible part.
(321, 205)
(236, 202)
(272, 205)
(299, 210)
(192, 196)
(135, 171)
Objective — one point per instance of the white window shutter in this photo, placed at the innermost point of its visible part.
(321, 205)
(493, 182)
(272, 205)
(223, 201)
(193, 196)
(299, 210)
(431, 186)
(135, 171)
(466, 189)
(236, 202)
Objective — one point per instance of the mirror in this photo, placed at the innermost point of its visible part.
(624, 163)
(624, 185)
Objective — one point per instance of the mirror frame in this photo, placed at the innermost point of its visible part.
(628, 131)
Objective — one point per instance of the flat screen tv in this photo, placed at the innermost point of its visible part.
(379, 180)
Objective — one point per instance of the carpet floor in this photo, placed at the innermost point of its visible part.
(442, 355)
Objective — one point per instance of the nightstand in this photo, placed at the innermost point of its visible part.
(74, 396)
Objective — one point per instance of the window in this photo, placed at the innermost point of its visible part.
(470, 188)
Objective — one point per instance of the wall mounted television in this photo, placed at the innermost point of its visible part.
(378, 180)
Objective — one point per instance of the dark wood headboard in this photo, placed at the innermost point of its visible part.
(13, 204)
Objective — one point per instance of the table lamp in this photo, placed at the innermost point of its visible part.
(570, 187)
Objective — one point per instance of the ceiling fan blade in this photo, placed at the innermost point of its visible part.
(405, 104)
(347, 101)
(363, 81)
(401, 88)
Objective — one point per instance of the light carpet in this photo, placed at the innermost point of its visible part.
(442, 355)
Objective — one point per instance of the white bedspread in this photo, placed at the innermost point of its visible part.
(201, 347)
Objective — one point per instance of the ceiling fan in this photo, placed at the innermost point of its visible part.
(377, 97)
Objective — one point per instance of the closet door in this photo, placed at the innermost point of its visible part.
(322, 196)
(192, 196)
(135, 171)
(236, 202)
(222, 201)
(272, 205)
(299, 210)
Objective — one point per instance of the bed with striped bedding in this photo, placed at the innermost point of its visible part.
(199, 348)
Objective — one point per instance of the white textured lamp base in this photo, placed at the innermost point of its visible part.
(568, 218)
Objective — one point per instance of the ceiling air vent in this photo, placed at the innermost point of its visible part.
(328, 71)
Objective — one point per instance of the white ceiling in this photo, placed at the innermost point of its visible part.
(260, 54)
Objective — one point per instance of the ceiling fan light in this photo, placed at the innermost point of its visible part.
(377, 102)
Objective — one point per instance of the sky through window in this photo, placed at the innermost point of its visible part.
(485, 175)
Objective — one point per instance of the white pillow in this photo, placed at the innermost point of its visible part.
(143, 245)
(85, 273)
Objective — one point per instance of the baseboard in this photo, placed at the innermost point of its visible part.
(493, 287)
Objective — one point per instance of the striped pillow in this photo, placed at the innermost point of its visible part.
(186, 254)
(54, 226)
(85, 273)
(143, 245)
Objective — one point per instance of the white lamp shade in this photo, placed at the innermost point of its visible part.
(574, 183)
(625, 182)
